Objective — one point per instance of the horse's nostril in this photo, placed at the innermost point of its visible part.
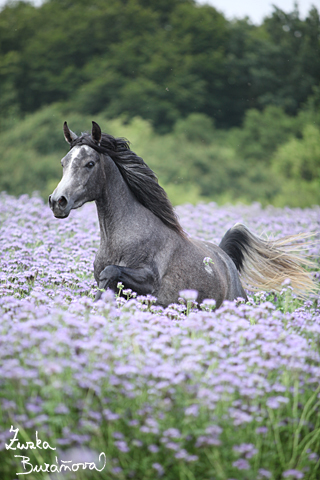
(62, 202)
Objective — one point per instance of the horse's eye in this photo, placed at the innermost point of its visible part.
(90, 164)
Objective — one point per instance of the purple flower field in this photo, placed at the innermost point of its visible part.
(185, 392)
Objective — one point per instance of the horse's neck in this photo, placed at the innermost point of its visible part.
(115, 206)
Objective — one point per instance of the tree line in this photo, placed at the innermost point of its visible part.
(220, 109)
(159, 60)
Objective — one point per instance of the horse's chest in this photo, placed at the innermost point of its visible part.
(100, 262)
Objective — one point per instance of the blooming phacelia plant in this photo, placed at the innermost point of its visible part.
(182, 392)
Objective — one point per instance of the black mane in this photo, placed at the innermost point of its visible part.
(141, 180)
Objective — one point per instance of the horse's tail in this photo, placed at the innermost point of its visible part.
(266, 264)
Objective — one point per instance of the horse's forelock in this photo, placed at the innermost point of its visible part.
(107, 145)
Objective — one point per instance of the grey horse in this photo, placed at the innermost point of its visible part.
(142, 243)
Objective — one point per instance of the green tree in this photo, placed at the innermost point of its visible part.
(159, 60)
(262, 132)
(288, 62)
(297, 162)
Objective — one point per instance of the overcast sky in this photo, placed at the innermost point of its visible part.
(254, 9)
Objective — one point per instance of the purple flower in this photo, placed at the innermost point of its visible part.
(110, 416)
(189, 295)
(181, 454)
(62, 409)
(275, 402)
(241, 464)
(246, 449)
(137, 367)
(153, 448)
(293, 473)
(193, 410)
(159, 469)
(116, 470)
(192, 458)
(122, 446)
(172, 446)
(137, 443)
(263, 473)
(172, 433)
(262, 430)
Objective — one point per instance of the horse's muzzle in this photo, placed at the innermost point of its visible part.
(59, 206)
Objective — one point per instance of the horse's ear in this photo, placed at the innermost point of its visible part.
(69, 135)
(96, 132)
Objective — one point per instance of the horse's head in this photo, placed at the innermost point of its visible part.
(81, 174)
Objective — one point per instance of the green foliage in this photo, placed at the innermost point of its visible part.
(30, 153)
(290, 61)
(310, 113)
(262, 132)
(298, 161)
(159, 60)
(31, 150)
(174, 76)
(196, 128)
(274, 158)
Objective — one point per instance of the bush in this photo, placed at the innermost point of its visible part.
(194, 162)
(298, 163)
